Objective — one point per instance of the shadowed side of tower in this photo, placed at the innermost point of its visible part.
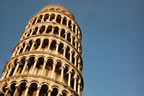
(47, 59)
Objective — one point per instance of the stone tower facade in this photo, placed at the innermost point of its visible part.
(47, 59)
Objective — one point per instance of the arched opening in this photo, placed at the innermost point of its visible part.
(32, 89)
(54, 92)
(58, 20)
(73, 57)
(53, 45)
(63, 33)
(69, 24)
(48, 67)
(49, 29)
(35, 31)
(28, 46)
(69, 37)
(46, 17)
(77, 61)
(73, 41)
(39, 20)
(30, 64)
(45, 43)
(64, 93)
(52, 17)
(67, 53)
(22, 89)
(37, 43)
(66, 74)
(4, 88)
(72, 79)
(60, 48)
(56, 30)
(74, 28)
(43, 90)
(13, 87)
(64, 21)
(42, 29)
(39, 65)
(1, 94)
(58, 70)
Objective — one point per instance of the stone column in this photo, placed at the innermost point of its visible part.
(75, 60)
(44, 65)
(62, 73)
(66, 35)
(6, 93)
(32, 45)
(75, 82)
(16, 69)
(3, 75)
(79, 87)
(36, 59)
(38, 91)
(26, 44)
(9, 72)
(41, 42)
(72, 27)
(61, 19)
(16, 90)
(49, 92)
(69, 77)
(25, 65)
(26, 91)
(78, 64)
(50, 41)
(57, 45)
(53, 70)
(70, 55)
(72, 39)
(18, 50)
(64, 52)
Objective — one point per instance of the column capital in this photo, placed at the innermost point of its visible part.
(63, 67)
(75, 76)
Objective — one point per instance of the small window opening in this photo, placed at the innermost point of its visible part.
(56, 29)
(73, 41)
(65, 21)
(49, 29)
(45, 44)
(46, 17)
(40, 62)
(58, 19)
(53, 45)
(42, 29)
(63, 33)
(37, 43)
(69, 24)
(49, 64)
(54, 92)
(67, 53)
(69, 37)
(52, 17)
(73, 58)
(35, 30)
(60, 48)
(74, 28)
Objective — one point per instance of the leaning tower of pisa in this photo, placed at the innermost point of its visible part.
(47, 59)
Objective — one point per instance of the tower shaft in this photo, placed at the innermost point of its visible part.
(47, 59)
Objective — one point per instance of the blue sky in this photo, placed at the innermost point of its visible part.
(113, 41)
